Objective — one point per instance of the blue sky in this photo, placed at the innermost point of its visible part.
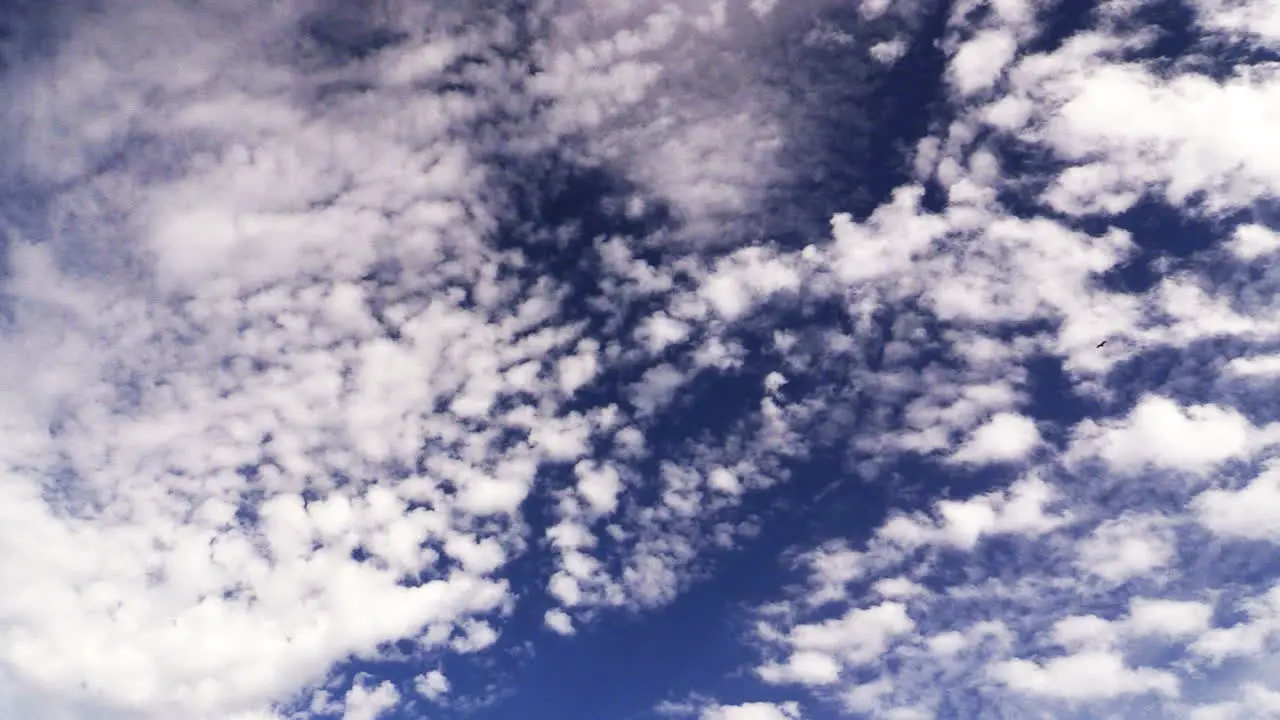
(705, 359)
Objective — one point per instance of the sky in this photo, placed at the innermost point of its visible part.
(695, 359)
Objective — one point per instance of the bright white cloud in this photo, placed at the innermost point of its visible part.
(978, 63)
(1160, 433)
(559, 622)
(1168, 618)
(1251, 512)
(1251, 242)
(1126, 547)
(362, 703)
(1002, 438)
(432, 684)
(1093, 675)
(752, 711)
(1263, 366)
(963, 523)
(805, 667)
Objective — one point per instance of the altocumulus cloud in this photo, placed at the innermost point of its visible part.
(339, 340)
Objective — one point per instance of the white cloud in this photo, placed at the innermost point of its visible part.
(752, 711)
(1125, 547)
(805, 667)
(1158, 432)
(1091, 675)
(978, 62)
(599, 486)
(559, 622)
(1261, 366)
(963, 523)
(1084, 633)
(362, 703)
(1253, 18)
(1247, 639)
(1125, 114)
(1004, 437)
(1252, 512)
(1254, 700)
(657, 388)
(432, 684)
(1168, 618)
(660, 331)
(477, 635)
(888, 52)
(1251, 242)
(724, 480)
(898, 587)
(818, 650)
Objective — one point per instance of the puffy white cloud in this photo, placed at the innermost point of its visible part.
(752, 711)
(1254, 700)
(1084, 632)
(1168, 618)
(1247, 513)
(1252, 241)
(819, 650)
(1124, 114)
(1254, 19)
(1091, 675)
(888, 52)
(477, 635)
(1263, 366)
(362, 703)
(1126, 547)
(1003, 437)
(432, 684)
(978, 62)
(1249, 638)
(599, 486)
(805, 667)
(963, 523)
(1160, 433)
(559, 622)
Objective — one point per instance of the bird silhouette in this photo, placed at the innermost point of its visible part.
(1104, 342)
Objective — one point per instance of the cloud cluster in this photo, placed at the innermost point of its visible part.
(294, 345)
(1083, 587)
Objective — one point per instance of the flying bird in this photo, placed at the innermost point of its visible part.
(1104, 342)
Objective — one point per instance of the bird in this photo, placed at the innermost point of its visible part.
(1104, 342)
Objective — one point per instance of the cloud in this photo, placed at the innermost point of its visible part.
(1125, 547)
(804, 668)
(287, 376)
(1246, 513)
(1265, 366)
(1248, 638)
(363, 703)
(819, 650)
(559, 622)
(962, 523)
(752, 711)
(978, 63)
(1160, 433)
(431, 685)
(1169, 618)
(1004, 437)
(1251, 242)
(1084, 676)
(1121, 112)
